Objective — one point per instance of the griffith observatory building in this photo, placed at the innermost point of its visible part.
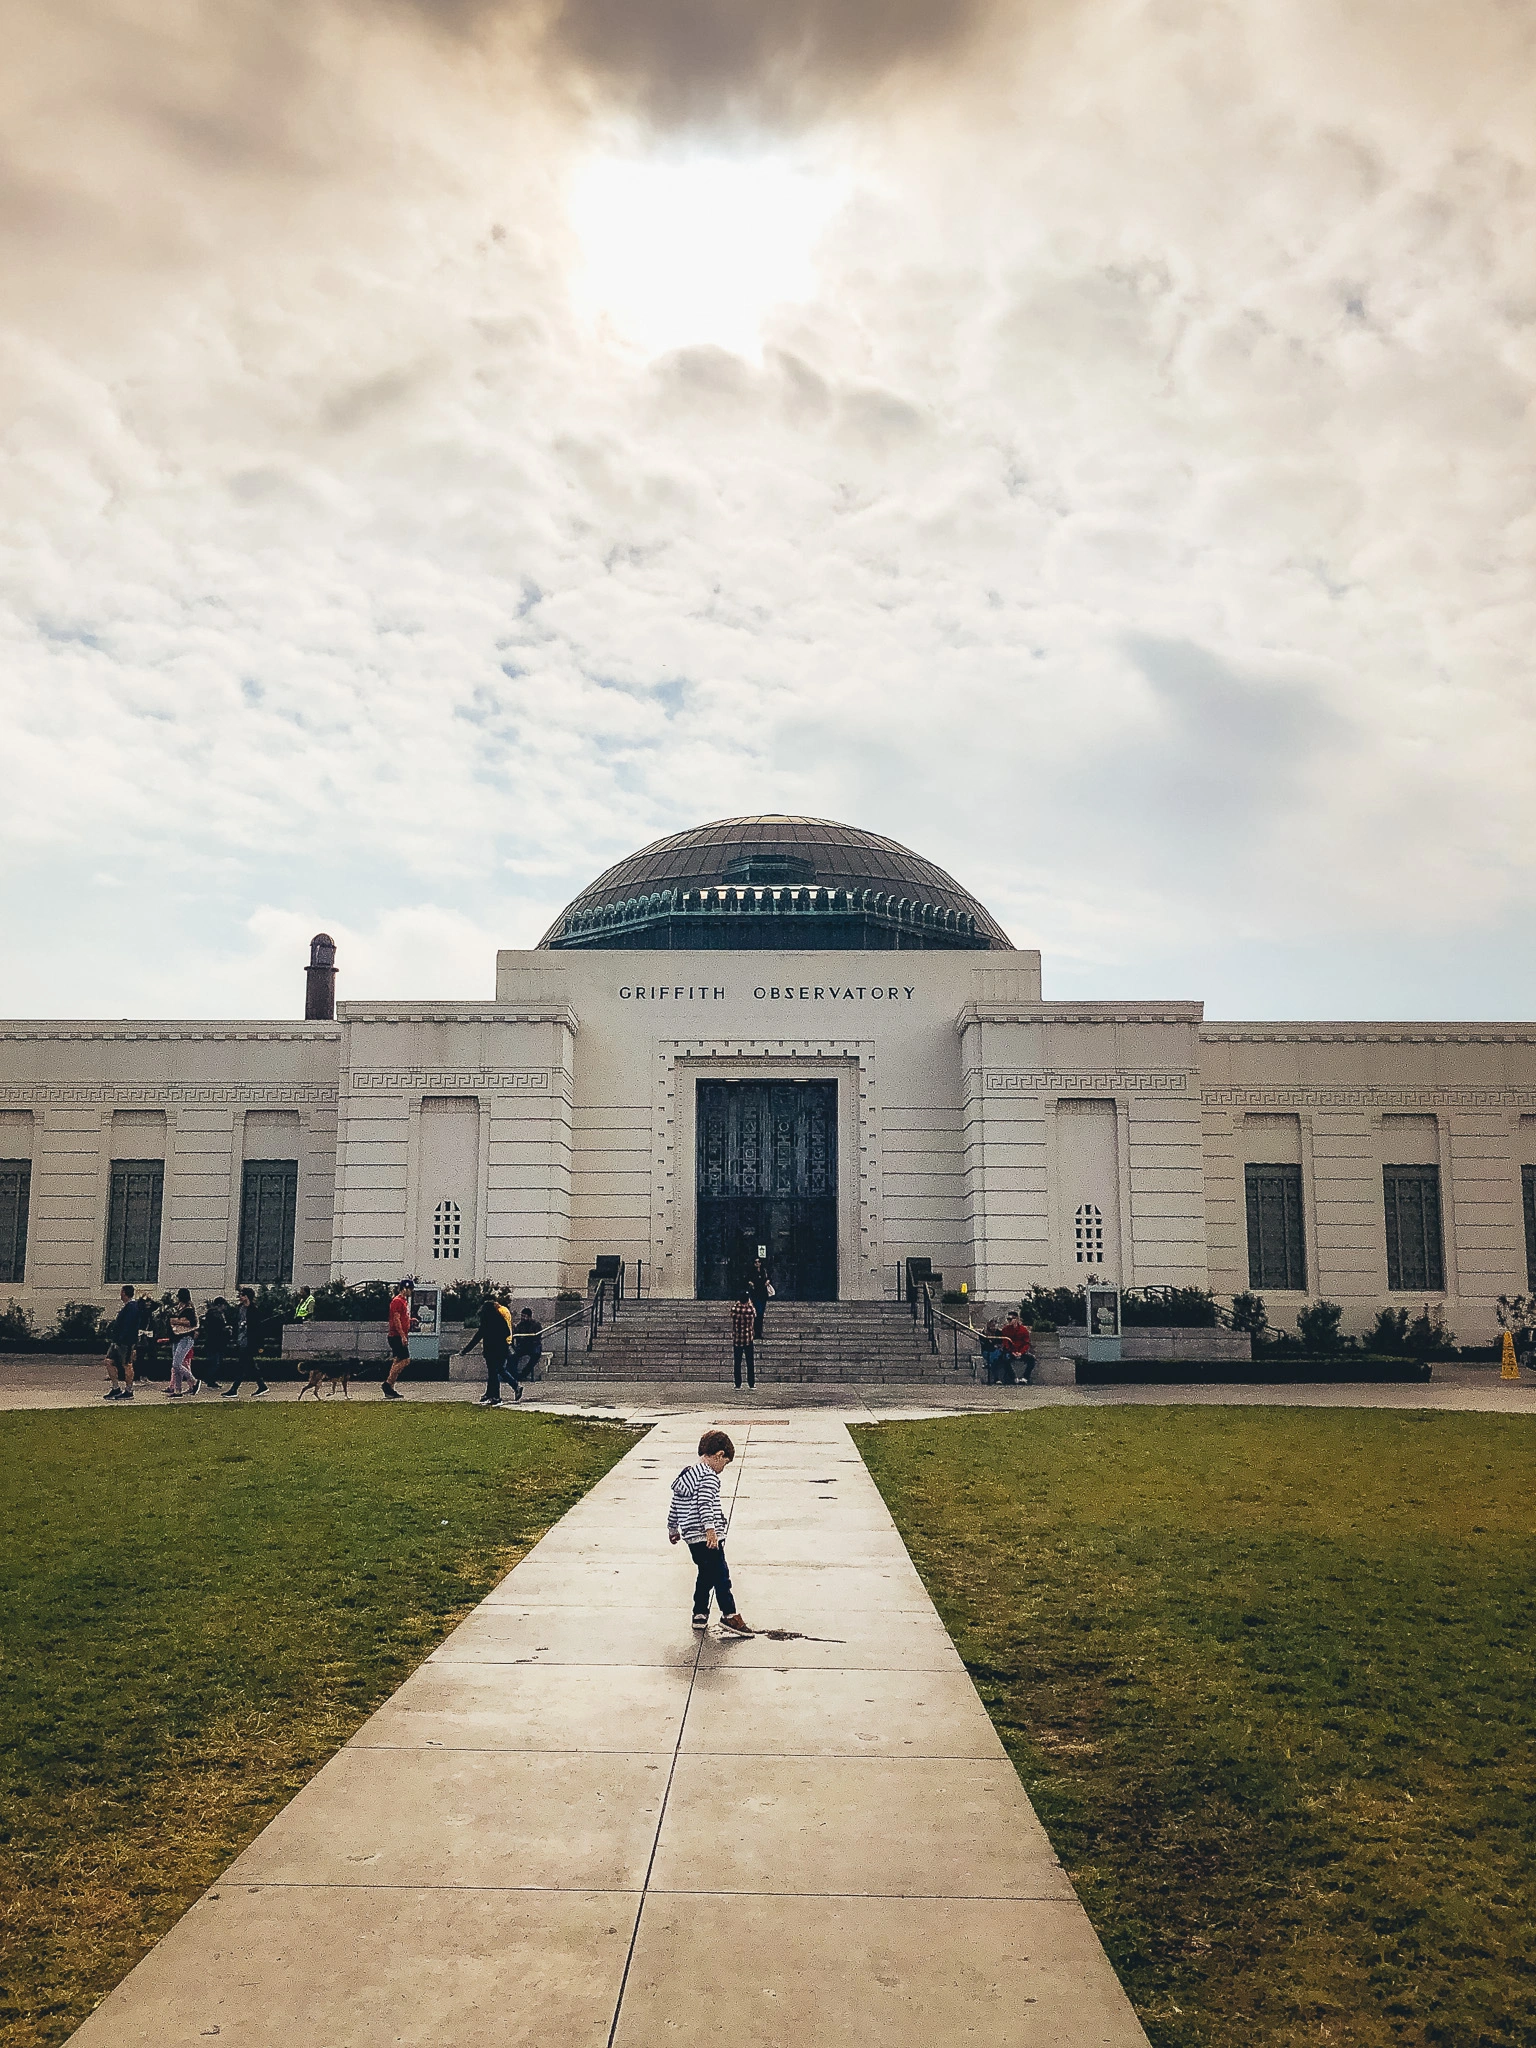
(780, 1031)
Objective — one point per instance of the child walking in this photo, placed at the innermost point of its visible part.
(698, 1520)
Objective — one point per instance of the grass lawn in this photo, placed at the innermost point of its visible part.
(196, 1609)
(1269, 1676)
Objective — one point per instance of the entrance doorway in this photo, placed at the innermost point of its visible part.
(767, 1176)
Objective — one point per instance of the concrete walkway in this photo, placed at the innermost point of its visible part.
(577, 1823)
(34, 1380)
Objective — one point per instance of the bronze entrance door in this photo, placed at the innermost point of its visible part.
(767, 1175)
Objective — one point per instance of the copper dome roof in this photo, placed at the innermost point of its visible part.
(777, 850)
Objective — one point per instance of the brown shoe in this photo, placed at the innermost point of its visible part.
(735, 1626)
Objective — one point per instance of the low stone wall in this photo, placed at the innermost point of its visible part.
(1193, 1347)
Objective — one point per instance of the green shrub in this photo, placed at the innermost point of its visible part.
(1427, 1335)
(1319, 1324)
(78, 1323)
(1169, 1308)
(1249, 1317)
(1146, 1308)
(17, 1329)
(1515, 1312)
(461, 1303)
(1388, 1335)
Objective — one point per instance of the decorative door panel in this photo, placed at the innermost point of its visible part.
(767, 1175)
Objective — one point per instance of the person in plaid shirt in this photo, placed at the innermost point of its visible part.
(743, 1321)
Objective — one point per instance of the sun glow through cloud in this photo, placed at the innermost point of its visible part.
(682, 252)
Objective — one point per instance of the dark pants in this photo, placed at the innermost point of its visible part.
(245, 1368)
(210, 1367)
(714, 1577)
(744, 1351)
(495, 1365)
(524, 1359)
(759, 1305)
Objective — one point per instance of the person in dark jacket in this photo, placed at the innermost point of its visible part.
(215, 1340)
(128, 1325)
(527, 1350)
(491, 1336)
(759, 1287)
(249, 1331)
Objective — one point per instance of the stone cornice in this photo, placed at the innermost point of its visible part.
(153, 1032)
(1078, 1013)
(1293, 1033)
(459, 1013)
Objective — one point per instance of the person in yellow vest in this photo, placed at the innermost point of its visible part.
(306, 1307)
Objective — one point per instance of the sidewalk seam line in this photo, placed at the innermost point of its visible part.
(645, 1884)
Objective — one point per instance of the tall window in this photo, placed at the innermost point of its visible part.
(133, 1219)
(447, 1228)
(1415, 1248)
(15, 1198)
(1528, 1197)
(1276, 1247)
(1088, 1232)
(269, 1200)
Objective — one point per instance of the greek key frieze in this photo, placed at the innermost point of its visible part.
(473, 1080)
(1052, 1081)
(162, 1095)
(1364, 1096)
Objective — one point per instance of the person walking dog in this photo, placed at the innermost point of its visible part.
(743, 1322)
(698, 1519)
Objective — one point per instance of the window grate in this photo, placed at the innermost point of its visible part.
(15, 1200)
(1415, 1247)
(447, 1230)
(1528, 1200)
(133, 1219)
(1088, 1234)
(269, 1199)
(1276, 1245)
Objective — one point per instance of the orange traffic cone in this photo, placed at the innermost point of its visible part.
(1509, 1369)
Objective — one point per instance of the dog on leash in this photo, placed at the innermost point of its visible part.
(334, 1376)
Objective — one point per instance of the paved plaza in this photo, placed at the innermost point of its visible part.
(578, 1822)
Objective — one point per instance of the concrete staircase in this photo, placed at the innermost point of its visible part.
(827, 1342)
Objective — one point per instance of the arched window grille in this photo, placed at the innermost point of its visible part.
(447, 1229)
(1088, 1229)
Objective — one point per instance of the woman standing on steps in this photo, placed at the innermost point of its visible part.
(760, 1290)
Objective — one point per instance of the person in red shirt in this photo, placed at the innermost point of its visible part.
(1021, 1348)
(400, 1323)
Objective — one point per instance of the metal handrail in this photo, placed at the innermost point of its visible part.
(934, 1318)
(597, 1313)
(565, 1322)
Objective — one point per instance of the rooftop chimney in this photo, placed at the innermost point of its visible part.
(320, 979)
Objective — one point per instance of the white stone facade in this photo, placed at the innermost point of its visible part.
(1009, 1139)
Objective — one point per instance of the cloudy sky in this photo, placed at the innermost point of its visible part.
(448, 445)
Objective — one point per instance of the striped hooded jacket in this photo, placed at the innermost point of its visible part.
(696, 1504)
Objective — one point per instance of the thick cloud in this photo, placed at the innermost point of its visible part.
(1129, 502)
